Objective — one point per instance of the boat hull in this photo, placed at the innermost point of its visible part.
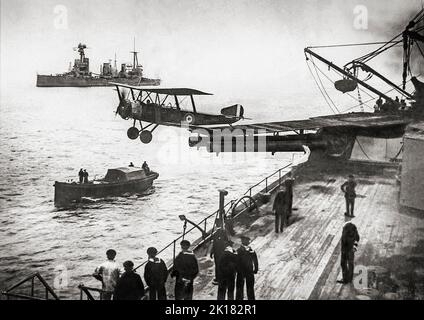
(68, 81)
(67, 193)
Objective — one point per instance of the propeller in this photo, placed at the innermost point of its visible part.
(124, 107)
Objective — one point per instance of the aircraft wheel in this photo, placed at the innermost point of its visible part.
(189, 118)
(133, 133)
(146, 136)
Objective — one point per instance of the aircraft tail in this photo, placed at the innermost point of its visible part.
(234, 111)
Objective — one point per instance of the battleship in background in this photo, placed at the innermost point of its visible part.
(80, 75)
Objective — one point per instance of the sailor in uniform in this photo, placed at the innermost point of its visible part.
(155, 274)
(129, 286)
(280, 210)
(81, 175)
(246, 270)
(85, 175)
(227, 270)
(218, 247)
(185, 270)
(108, 273)
(349, 244)
(348, 189)
(288, 183)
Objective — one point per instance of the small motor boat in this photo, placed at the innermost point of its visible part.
(117, 181)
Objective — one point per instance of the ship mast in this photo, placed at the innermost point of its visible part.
(135, 57)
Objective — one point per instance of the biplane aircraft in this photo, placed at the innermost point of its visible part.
(166, 106)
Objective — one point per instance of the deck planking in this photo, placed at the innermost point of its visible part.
(303, 261)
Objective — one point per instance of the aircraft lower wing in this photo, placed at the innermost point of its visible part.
(354, 120)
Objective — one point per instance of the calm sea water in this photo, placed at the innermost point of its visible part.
(49, 134)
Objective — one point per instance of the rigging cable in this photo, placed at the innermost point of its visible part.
(350, 95)
(319, 88)
(362, 149)
(350, 45)
(323, 87)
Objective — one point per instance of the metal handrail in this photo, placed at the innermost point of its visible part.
(8, 292)
(173, 242)
(249, 191)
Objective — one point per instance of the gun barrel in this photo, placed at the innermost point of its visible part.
(288, 143)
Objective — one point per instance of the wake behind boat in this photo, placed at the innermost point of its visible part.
(117, 181)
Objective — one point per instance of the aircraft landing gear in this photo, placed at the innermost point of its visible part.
(146, 136)
(133, 133)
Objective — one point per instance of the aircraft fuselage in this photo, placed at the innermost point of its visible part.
(154, 113)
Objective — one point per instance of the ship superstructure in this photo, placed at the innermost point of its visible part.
(81, 76)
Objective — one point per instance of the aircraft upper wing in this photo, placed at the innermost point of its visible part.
(169, 91)
(358, 120)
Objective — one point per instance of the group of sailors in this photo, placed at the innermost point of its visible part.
(83, 176)
(234, 270)
(144, 166)
(128, 285)
(390, 106)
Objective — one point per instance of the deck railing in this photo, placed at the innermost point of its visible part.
(12, 291)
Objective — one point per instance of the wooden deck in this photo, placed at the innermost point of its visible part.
(303, 262)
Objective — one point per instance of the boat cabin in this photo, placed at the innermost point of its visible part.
(124, 174)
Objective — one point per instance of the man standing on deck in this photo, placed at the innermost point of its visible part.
(108, 273)
(227, 270)
(218, 247)
(129, 286)
(146, 168)
(155, 274)
(85, 175)
(280, 210)
(81, 175)
(185, 270)
(349, 243)
(349, 190)
(246, 270)
(288, 183)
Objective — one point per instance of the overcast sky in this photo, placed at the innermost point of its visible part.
(239, 45)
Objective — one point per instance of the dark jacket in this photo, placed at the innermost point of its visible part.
(185, 266)
(247, 261)
(155, 272)
(218, 247)
(279, 202)
(228, 264)
(288, 183)
(129, 287)
(350, 237)
(349, 189)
